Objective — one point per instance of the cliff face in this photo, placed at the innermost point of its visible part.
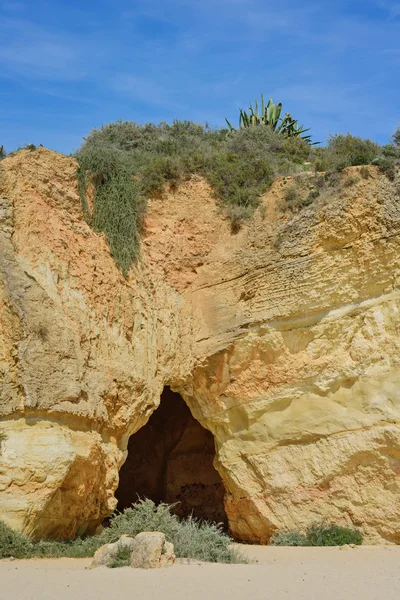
(283, 340)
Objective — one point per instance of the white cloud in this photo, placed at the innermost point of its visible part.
(393, 8)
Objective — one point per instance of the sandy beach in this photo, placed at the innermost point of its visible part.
(370, 573)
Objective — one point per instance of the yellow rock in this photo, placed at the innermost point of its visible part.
(283, 340)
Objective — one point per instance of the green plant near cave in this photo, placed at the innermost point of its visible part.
(192, 539)
(122, 559)
(319, 535)
(288, 538)
(270, 115)
(13, 543)
(333, 535)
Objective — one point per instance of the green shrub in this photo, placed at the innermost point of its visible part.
(119, 204)
(351, 150)
(240, 179)
(387, 165)
(77, 548)
(123, 558)
(162, 170)
(305, 191)
(319, 535)
(332, 535)
(192, 539)
(288, 538)
(388, 160)
(391, 151)
(292, 198)
(350, 181)
(344, 151)
(13, 543)
(296, 150)
(365, 173)
(3, 152)
(396, 137)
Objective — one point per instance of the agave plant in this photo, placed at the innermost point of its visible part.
(270, 115)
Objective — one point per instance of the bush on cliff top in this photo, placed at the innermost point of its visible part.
(319, 535)
(344, 151)
(128, 162)
(396, 137)
(192, 539)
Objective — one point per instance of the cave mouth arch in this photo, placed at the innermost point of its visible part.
(170, 459)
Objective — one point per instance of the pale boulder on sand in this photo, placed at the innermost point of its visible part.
(152, 551)
(149, 550)
(106, 554)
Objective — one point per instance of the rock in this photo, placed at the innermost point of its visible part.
(151, 551)
(282, 339)
(106, 554)
(349, 547)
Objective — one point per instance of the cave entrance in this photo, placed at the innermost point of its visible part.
(170, 459)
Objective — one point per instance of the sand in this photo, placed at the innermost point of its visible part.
(370, 573)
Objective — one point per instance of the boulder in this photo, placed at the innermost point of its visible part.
(150, 550)
(106, 554)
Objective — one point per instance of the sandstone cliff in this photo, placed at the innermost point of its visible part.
(283, 340)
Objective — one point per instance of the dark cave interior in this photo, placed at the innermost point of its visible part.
(170, 460)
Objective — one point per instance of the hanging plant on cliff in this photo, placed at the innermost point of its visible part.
(270, 115)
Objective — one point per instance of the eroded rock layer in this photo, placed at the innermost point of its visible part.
(282, 339)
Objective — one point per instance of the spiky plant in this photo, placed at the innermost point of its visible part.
(270, 115)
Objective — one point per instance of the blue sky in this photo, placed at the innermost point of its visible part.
(68, 66)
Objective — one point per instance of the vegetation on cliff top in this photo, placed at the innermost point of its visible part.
(127, 163)
(192, 539)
